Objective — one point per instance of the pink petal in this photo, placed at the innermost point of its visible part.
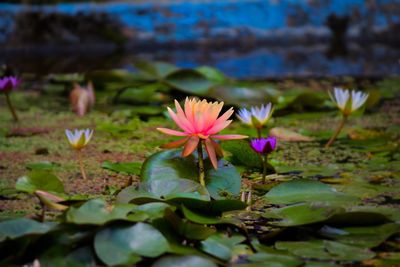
(217, 148)
(211, 153)
(218, 127)
(182, 117)
(175, 144)
(229, 136)
(177, 120)
(190, 146)
(171, 132)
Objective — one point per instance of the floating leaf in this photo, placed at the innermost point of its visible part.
(189, 81)
(125, 167)
(366, 237)
(95, 212)
(305, 191)
(302, 214)
(16, 228)
(325, 250)
(243, 96)
(39, 180)
(212, 74)
(169, 165)
(156, 70)
(123, 245)
(192, 261)
(242, 153)
(43, 165)
(220, 245)
(188, 229)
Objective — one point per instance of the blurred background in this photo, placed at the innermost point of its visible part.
(251, 39)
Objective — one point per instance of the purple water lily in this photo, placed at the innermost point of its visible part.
(263, 145)
(8, 83)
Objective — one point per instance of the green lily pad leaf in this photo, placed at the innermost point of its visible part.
(61, 256)
(169, 165)
(39, 180)
(242, 153)
(212, 74)
(153, 210)
(43, 165)
(95, 212)
(302, 214)
(189, 81)
(123, 245)
(300, 100)
(272, 257)
(186, 228)
(192, 261)
(141, 93)
(121, 77)
(305, 191)
(202, 218)
(125, 167)
(242, 96)
(366, 237)
(221, 245)
(12, 229)
(325, 250)
(156, 69)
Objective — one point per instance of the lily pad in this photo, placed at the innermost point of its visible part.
(95, 212)
(192, 261)
(157, 69)
(43, 165)
(305, 191)
(189, 81)
(12, 229)
(170, 165)
(39, 180)
(123, 245)
(221, 246)
(325, 250)
(302, 214)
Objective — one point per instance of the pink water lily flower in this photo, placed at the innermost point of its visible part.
(199, 122)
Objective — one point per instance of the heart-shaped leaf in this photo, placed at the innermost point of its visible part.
(170, 165)
(39, 180)
(123, 245)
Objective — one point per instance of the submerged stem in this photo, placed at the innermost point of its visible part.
(265, 162)
(201, 163)
(81, 164)
(11, 108)
(330, 142)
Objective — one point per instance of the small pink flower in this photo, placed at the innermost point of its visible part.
(200, 123)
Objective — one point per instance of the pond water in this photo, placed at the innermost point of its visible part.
(262, 62)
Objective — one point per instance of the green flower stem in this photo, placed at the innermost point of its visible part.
(81, 164)
(201, 163)
(258, 132)
(11, 108)
(265, 162)
(338, 130)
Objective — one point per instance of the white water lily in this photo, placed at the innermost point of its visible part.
(79, 138)
(256, 116)
(348, 101)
